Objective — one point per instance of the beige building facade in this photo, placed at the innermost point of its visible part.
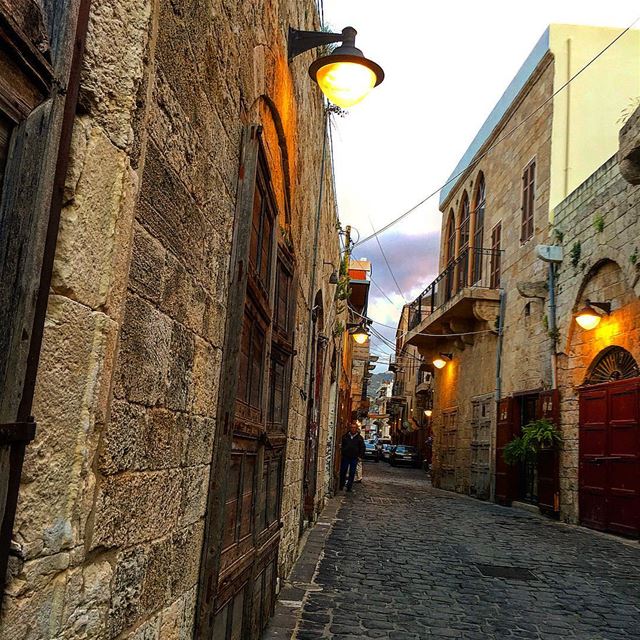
(487, 316)
(183, 392)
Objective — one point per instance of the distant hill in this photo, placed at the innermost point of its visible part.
(376, 380)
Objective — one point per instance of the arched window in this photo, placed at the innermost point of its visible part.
(478, 234)
(463, 252)
(451, 254)
(611, 364)
(451, 238)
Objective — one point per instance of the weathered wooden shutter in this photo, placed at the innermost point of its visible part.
(208, 604)
(549, 461)
(506, 475)
(41, 48)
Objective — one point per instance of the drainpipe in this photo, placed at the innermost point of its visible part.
(307, 391)
(503, 297)
(498, 392)
(552, 325)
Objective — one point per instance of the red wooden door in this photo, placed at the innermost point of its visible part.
(548, 460)
(506, 475)
(609, 471)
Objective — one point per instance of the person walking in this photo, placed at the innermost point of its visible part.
(352, 450)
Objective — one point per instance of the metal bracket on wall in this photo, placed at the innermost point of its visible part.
(17, 432)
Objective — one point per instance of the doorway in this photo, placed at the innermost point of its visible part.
(609, 445)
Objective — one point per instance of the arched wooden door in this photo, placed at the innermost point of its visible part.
(609, 444)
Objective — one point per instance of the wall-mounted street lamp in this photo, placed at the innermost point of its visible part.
(333, 278)
(359, 331)
(345, 76)
(441, 361)
(428, 412)
(588, 317)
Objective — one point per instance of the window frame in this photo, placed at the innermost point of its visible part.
(528, 201)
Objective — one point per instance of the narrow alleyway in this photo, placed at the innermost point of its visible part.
(406, 561)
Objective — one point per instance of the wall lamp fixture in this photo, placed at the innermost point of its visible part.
(441, 361)
(588, 318)
(359, 331)
(345, 76)
(333, 278)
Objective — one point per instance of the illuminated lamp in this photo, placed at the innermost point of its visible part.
(588, 317)
(441, 361)
(345, 76)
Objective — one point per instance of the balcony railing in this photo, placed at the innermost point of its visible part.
(476, 268)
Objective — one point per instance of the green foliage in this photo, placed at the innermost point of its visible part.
(633, 258)
(338, 330)
(598, 223)
(343, 290)
(536, 436)
(627, 112)
(576, 251)
(559, 235)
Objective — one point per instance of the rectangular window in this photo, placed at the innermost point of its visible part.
(528, 199)
(495, 256)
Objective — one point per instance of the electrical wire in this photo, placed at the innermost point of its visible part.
(421, 333)
(387, 263)
(379, 288)
(474, 162)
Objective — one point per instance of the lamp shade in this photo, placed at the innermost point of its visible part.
(588, 318)
(439, 363)
(428, 412)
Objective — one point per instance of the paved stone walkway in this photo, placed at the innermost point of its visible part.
(405, 561)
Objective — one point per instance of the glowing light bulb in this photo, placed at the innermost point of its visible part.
(588, 319)
(439, 363)
(361, 337)
(345, 83)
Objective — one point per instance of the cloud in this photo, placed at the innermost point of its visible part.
(414, 261)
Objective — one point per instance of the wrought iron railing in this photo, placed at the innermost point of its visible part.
(476, 268)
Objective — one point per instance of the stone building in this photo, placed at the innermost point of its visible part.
(190, 350)
(485, 318)
(411, 392)
(598, 225)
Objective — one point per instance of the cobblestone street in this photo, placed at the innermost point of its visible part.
(406, 561)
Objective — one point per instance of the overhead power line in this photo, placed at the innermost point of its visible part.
(454, 178)
(387, 262)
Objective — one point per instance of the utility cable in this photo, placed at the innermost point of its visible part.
(473, 163)
(421, 333)
(387, 262)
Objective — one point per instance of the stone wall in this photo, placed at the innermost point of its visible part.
(112, 505)
(599, 225)
(525, 359)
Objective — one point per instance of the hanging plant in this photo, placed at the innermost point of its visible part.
(343, 290)
(536, 436)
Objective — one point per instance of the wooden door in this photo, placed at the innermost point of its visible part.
(481, 414)
(549, 460)
(239, 568)
(41, 50)
(609, 453)
(448, 449)
(506, 475)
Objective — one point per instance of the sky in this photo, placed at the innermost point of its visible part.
(446, 65)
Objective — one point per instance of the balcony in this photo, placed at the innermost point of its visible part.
(465, 293)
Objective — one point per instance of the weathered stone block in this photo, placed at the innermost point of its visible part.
(144, 355)
(128, 507)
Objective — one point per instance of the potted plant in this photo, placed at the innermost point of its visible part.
(539, 435)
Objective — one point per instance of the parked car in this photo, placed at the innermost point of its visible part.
(370, 450)
(404, 454)
(386, 450)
